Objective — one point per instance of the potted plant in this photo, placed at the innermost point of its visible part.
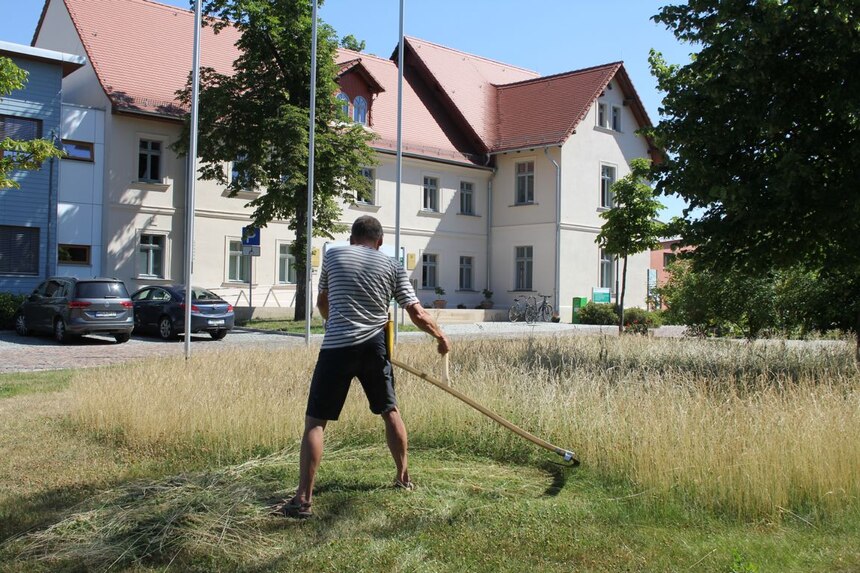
(440, 302)
(488, 299)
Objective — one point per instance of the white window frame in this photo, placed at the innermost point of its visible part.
(602, 115)
(149, 251)
(430, 194)
(607, 201)
(149, 152)
(242, 264)
(606, 270)
(615, 118)
(467, 198)
(429, 270)
(344, 106)
(467, 273)
(528, 179)
(360, 110)
(523, 267)
(286, 263)
(370, 174)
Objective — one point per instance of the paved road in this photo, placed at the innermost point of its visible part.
(21, 354)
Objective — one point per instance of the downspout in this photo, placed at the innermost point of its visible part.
(52, 209)
(489, 265)
(557, 285)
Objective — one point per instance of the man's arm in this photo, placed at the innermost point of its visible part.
(322, 303)
(422, 319)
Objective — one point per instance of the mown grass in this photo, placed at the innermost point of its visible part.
(33, 382)
(698, 456)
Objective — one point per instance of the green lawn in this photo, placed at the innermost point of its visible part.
(298, 326)
(33, 382)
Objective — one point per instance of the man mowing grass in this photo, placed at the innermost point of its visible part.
(356, 283)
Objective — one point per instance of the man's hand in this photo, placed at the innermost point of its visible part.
(444, 345)
(422, 319)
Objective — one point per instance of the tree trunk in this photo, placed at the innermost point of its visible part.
(301, 265)
(621, 298)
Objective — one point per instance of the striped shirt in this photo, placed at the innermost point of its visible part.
(360, 282)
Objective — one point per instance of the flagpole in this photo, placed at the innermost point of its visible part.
(399, 155)
(308, 260)
(192, 177)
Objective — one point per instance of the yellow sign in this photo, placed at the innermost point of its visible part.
(410, 261)
(315, 257)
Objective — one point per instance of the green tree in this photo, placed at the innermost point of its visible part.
(351, 43)
(631, 224)
(762, 130)
(15, 154)
(257, 117)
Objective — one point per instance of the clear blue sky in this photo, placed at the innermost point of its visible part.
(547, 36)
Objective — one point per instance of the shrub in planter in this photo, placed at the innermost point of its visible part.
(637, 320)
(9, 303)
(598, 313)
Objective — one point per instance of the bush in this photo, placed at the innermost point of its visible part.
(639, 320)
(9, 303)
(598, 313)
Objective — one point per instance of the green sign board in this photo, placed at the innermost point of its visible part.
(601, 295)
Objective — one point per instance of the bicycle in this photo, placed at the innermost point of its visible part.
(524, 308)
(544, 310)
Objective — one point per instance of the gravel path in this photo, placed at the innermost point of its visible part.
(32, 353)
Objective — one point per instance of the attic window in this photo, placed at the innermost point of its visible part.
(359, 113)
(344, 106)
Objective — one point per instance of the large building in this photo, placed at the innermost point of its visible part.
(28, 214)
(505, 172)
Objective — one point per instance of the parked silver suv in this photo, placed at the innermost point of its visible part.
(69, 306)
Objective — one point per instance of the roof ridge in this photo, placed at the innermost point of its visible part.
(616, 65)
(475, 56)
(360, 55)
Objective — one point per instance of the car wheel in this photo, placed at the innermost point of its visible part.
(122, 337)
(165, 328)
(60, 334)
(218, 334)
(21, 325)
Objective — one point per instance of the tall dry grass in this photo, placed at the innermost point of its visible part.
(745, 429)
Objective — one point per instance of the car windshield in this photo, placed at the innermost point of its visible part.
(101, 289)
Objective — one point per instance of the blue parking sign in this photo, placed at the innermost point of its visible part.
(250, 236)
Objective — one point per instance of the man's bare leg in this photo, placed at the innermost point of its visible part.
(309, 458)
(395, 435)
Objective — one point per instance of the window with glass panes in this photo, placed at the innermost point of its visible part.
(467, 198)
(359, 110)
(369, 174)
(607, 270)
(238, 265)
(525, 182)
(286, 265)
(150, 254)
(429, 278)
(19, 250)
(523, 265)
(431, 194)
(616, 118)
(149, 161)
(466, 273)
(607, 180)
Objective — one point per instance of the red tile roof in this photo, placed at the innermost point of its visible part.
(546, 110)
(467, 81)
(142, 51)
(456, 106)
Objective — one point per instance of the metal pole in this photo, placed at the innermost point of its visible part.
(308, 273)
(192, 177)
(399, 154)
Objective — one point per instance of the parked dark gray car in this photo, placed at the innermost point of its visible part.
(69, 306)
(161, 309)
